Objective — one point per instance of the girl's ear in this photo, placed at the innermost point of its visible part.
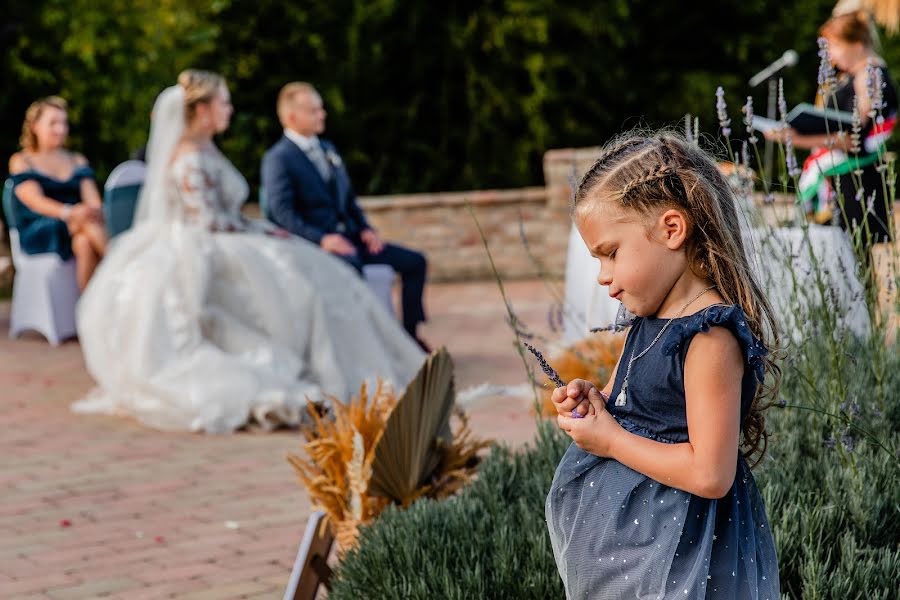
(673, 228)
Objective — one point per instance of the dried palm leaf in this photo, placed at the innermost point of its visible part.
(338, 468)
(416, 432)
(460, 460)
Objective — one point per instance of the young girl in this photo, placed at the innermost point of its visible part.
(654, 499)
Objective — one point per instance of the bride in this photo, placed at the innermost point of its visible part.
(201, 320)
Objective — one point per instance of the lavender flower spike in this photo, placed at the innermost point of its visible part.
(748, 119)
(722, 112)
(874, 89)
(782, 103)
(545, 366)
(790, 158)
(826, 77)
(856, 128)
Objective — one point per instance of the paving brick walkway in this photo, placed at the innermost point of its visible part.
(97, 506)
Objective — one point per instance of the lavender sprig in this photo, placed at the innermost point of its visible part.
(826, 76)
(782, 103)
(519, 329)
(848, 440)
(545, 366)
(722, 112)
(748, 119)
(856, 128)
(790, 158)
(874, 89)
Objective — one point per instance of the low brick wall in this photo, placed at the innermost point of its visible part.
(441, 226)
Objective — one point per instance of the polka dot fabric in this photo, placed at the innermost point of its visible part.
(619, 534)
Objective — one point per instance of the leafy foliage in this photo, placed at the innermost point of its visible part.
(832, 494)
(422, 96)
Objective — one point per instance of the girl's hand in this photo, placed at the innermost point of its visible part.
(596, 432)
(573, 396)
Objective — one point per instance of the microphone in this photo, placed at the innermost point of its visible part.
(788, 59)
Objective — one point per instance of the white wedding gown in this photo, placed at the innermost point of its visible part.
(204, 322)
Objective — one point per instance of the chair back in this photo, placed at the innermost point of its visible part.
(120, 195)
(8, 198)
(130, 172)
(119, 205)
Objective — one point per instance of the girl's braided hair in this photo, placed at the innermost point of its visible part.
(649, 173)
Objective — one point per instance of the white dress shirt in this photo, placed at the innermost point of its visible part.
(306, 143)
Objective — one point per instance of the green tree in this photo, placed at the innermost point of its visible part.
(108, 60)
(421, 96)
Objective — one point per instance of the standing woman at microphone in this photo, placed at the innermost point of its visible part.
(851, 161)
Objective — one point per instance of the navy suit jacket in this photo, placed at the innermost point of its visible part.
(298, 199)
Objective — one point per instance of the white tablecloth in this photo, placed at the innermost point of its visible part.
(778, 256)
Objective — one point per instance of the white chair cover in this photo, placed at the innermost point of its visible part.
(45, 292)
(130, 172)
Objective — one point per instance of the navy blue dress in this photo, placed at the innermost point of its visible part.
(619, 534)
(39, 233)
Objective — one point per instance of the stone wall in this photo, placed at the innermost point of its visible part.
(441, 226)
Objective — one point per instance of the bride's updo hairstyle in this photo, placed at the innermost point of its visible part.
(199, 87)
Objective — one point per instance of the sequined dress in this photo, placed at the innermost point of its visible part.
(619, 534)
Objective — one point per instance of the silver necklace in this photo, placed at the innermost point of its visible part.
(622, 398)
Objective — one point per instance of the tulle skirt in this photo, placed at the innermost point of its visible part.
(618, 534)
(190, 330)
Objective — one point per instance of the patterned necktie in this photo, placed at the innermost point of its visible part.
(317, 156)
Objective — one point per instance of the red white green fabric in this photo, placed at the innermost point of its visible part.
(824, 163)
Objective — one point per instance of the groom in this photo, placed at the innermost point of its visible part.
(308, 192)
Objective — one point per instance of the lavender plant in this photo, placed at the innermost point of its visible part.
(830, 480)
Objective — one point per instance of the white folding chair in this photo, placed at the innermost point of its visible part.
(311, 565)
(45, 289)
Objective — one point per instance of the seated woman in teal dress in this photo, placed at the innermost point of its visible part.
(57, 205)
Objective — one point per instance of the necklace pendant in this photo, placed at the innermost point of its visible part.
(622, 398)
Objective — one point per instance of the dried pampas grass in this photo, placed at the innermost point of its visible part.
(381, 450)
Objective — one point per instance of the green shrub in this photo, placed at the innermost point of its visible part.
(835, 512)
(833, 495)
(489, 542)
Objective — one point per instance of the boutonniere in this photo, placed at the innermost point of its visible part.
(334, 159)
